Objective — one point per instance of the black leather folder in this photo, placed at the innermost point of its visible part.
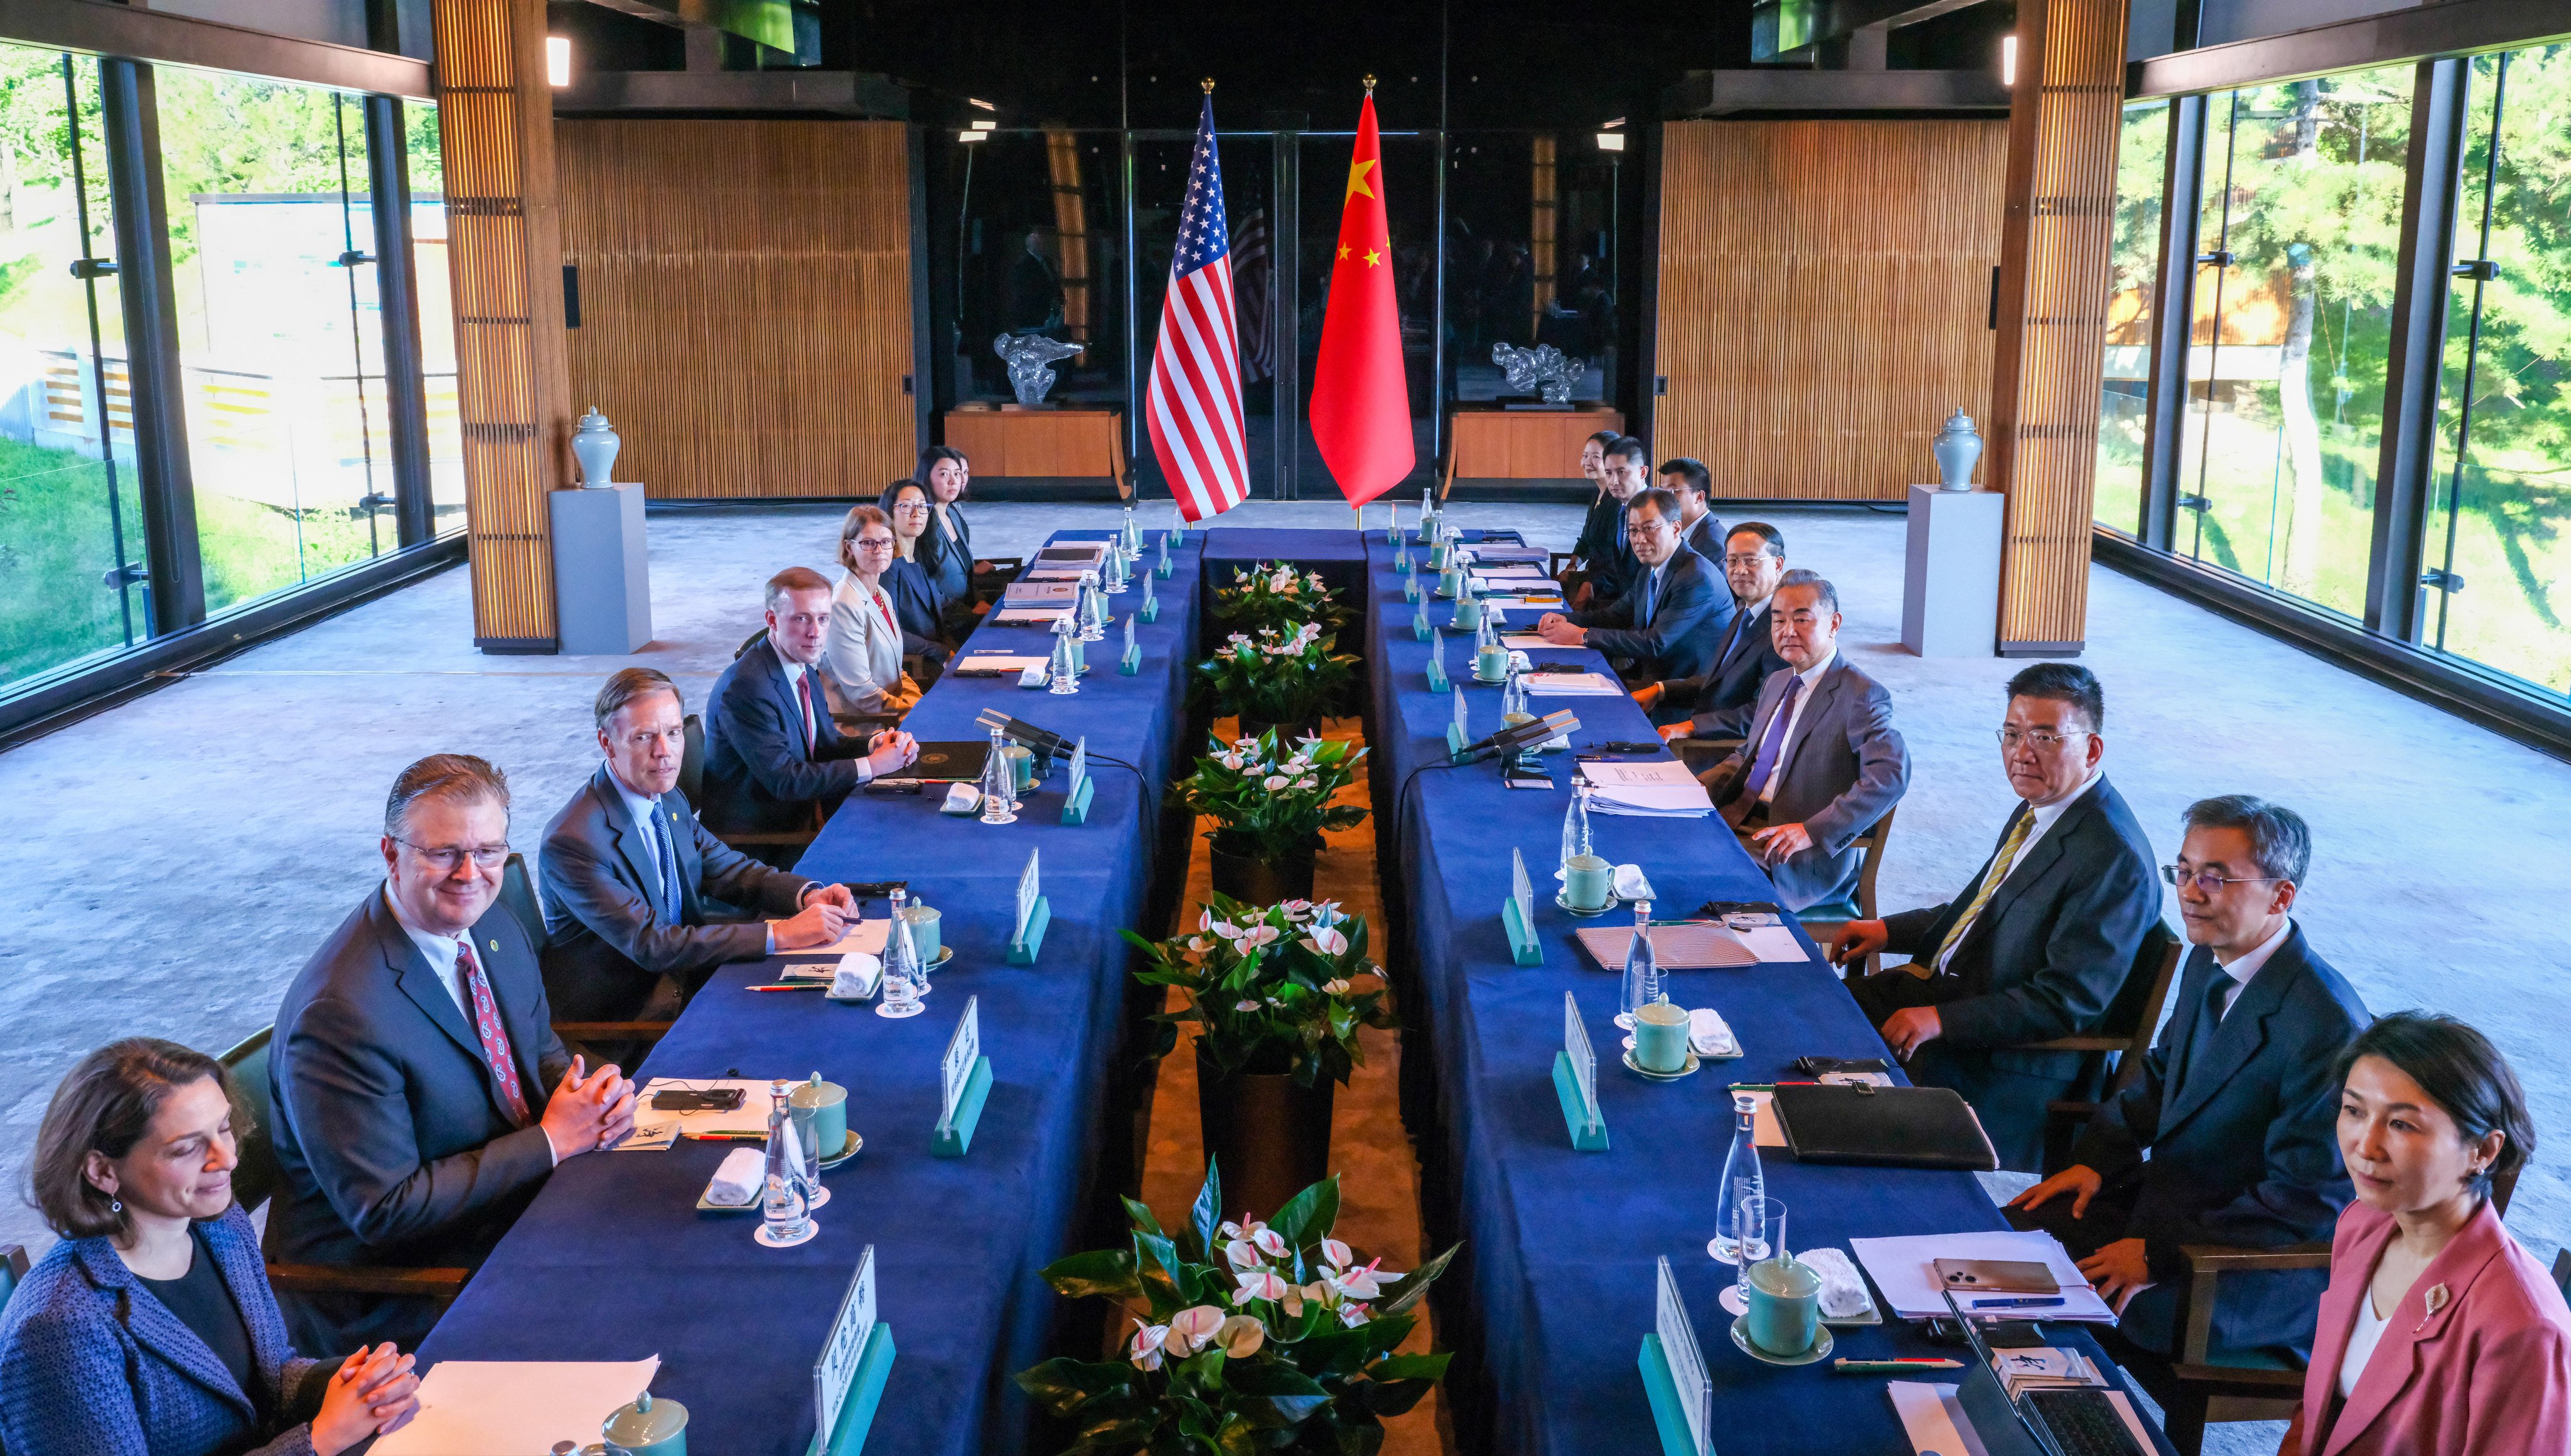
(1887, 1127)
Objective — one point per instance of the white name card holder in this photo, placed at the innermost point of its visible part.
(1575, 1081)
(1392, 523)
(1673, 1375)
(1131, 662)
(1402, 562)
(848, 1380)
(1034, 913)
(1076, 794)
(1457, 735)
(965, 1078)
(1150, 611)
(1420, 626)
(1437, 665)
(1163, 568)
(1517, 914)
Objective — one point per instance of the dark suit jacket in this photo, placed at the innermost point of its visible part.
(1843, 770)
(916, 604)
(1722, 696)
(758, 775)
(948, 556)
(1603, 553)
(1704, 538)
(609, 956)
(2241, 1123)
(389, 1131)
(1686, 622)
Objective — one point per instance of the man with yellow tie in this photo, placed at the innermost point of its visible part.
(2037, 945)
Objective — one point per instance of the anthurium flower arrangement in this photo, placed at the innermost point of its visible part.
(1271, 803)
(1274, 594)
(1278, 991)
(1246, 1337)
(1284, 675)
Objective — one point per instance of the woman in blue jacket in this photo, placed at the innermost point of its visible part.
(150, 1329)
(916, 601)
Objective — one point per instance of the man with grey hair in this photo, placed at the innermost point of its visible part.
(2236, 1106)
(1822, 763)
(640, 902)
(420, 1095)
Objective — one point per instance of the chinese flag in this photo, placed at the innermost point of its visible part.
(1361, 401)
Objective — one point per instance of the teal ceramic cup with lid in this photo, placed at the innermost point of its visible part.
(1587, 881)
(923, 922)
(1661, 1037)
(1785, 1304)
(1022, 764)
(648, 1428)
(826, 1106)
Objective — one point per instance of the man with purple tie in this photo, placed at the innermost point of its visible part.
(420, 1095)
(774, 762)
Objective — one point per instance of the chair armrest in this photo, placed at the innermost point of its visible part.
(2077, 1044)
(441, 1285)
(736, 839)
(2207, 1264)
(611, 1031)
(1725, 747)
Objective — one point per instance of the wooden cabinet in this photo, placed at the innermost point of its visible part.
(1523, 444)
(1051, 445)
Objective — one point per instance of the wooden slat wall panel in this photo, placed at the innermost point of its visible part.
(745, 301)
(2064, 123)
(1824, 294)
(495, 134)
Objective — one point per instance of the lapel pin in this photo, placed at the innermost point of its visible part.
(495, 945)
(2438, 1297)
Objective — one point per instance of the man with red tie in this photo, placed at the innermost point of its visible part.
(774, 759)
(420, 1097)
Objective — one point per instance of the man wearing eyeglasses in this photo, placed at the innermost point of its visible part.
(640, 902)
(420, 1097)
(1605, 548)
(2236, 1104)
(1718, 701)
(2038, 942)
(1670, 616)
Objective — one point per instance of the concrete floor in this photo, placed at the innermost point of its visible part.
(176, 858)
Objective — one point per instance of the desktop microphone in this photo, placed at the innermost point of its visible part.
(1518, 736)
(1042, 740)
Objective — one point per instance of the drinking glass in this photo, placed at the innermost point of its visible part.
(1760, 1223)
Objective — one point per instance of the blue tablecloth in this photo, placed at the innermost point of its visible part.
(614, 1261)
(1549, 1303)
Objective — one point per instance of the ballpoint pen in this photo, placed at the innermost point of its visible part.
(2050, 1304)
(794, 986)
(1894, 1365)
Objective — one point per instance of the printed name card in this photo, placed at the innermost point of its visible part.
(964, 1075)
(848, 1380)
(1077, 794)
(1151, 608)
(1033, 914)
(1162, 567)
(1392, 523)
(1674, 1373)
(1129, 661)
(1457, 735)
(1517, 915)
(1437, 663)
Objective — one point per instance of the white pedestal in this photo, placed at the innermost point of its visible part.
(1950, 592)
(602, 574)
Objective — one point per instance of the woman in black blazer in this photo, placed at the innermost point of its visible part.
(947, 550)
(917, 604)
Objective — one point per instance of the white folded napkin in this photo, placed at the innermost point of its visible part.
(1842, 1288)
(1709, 1034)
(1631, 885)
(962, 798)
(735, 1185)
(856, 976)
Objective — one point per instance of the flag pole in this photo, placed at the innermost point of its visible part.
(1359, 507)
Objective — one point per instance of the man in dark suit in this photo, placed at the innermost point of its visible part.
(1687, 478)
(1717, 702)
(2038, 944)
(420, 1095)
(1666, 622)
(1822, 763)
(774, 759)
(2236, 1105)
(1606, 557)
(640, 901)
(1600, 520)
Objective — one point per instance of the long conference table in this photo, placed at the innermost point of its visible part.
(1546, 1307)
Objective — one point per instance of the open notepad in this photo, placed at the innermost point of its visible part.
(468, 1406)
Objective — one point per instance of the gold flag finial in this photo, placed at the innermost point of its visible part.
(1208, 84)
(1369, 82)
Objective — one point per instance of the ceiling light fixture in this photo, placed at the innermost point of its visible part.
(2008, 60)
(558, 60)
(1611, 141)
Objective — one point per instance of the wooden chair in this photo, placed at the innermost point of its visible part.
(1825, 921)
(259, 1177)
(2214, 1384)
(764, 846)
(1703, 754)
(13, 1268)
(2126, 1035)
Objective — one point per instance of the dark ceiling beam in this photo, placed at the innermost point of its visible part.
(769, 22)
(1836, 22)
(1722, 93)
(766, 93)
(94, 28)
(2454, 27)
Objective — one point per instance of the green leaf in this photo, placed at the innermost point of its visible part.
(1392, 1397)
(1165, 1275)
(1403, 1293)
(1272, 1392)
(1064, 1385)
(1108, 1273)
(1311, 1214)
(1409, 1367)
(1359, 1433)
(1205, 1220)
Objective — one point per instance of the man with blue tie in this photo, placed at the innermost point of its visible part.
(1605, 553)
(641, 903)
(1717, 702)
(1670, 617)
(774, 762)
(2230, 1135)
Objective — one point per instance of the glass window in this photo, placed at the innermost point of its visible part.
(280, 330)
(2500, 503)
(71, 523)
(2303, 220)
(436, 287)
(1036, 238)
(1530, 262)
(2125, 375)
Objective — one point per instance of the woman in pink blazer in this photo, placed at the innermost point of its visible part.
(2439, 1336)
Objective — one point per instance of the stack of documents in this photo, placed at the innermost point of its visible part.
(1007, 612)
(1040, 594)
(1659, 790)
(1496, 551)
(996, 665)
(1903, 1269)
(1573, 685)
(2043, 1368)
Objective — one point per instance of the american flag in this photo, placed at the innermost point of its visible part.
(1250, 274)
(1193, 401)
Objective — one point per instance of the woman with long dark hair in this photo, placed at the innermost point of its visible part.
(916, 602)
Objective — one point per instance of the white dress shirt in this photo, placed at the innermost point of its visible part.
(1811, 677)
(646, 815)
(2247, 966)
(2363, 1336)
(2045, 818)
(439, 951)
(795, 672)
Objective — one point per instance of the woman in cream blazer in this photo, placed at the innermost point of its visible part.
(861, 656)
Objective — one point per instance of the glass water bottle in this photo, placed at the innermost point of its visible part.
(1093, 609)
(1575, 823)
(786, 1206)
(904, 981)
(1065, 669)
(999, 785)
(1642, 969)
(1741, 1177)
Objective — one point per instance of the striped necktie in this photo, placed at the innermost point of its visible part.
(493, 1035)
(1991, 878)
(667, 861)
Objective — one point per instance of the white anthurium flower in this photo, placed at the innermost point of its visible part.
(1307, 782)
(1191, 1328)
(1145, 1352)
(1241, 1336)
(1245, 1006)
(1260, 1284)
(1230, 1229)
(1240, 1253)
(1319, 1292)
(1309, 740)
(1236, 638)
(1229, 761)
(1270, 1243)
(1297, 909)
(1200, 944)
(1330, 940)
(1359, 1283)
(1276, 781)
(1226, 929)
(1354, 1315)
(1336, 986)
(1338, 1255)
(1259, 935)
